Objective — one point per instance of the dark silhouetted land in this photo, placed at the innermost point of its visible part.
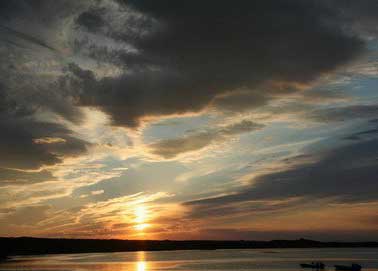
(30, 246)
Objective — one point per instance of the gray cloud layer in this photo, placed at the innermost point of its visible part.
(198, 50)
(346, 174)
(19, 132)
(185, 55)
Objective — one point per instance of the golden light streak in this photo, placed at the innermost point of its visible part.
(141, 227)
(48, 140)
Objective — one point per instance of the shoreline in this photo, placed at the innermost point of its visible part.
(42, 246)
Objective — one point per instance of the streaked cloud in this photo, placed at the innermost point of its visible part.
(194, 141)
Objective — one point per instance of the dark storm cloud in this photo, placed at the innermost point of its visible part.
(15, 9)
(362, 14)
(344, 113)
(198, 50)
(91, 19)
(19, 138)
(347, 174)
(31, 21)
(30, 33)
(10, 9)
(188, 55)
(239, 102)
(169, 148)
(21, 151)
(16, 177)
(28, 88)
(25, 37)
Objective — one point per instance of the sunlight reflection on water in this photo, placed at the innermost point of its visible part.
(141, 266)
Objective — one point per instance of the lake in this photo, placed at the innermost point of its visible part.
(232, 259)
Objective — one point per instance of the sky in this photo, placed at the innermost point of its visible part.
(200, 119)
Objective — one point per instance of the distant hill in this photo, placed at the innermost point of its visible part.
(29, 245)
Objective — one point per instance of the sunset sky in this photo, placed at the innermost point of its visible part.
(191, 119)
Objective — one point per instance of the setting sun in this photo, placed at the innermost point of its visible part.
(140, 218)
(140, 214)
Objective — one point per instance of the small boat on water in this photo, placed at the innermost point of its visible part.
(353, 267)
(317, 265)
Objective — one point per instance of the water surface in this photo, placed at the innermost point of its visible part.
(231, 259)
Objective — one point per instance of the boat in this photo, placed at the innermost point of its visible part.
(353, 267)
(317, 265)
